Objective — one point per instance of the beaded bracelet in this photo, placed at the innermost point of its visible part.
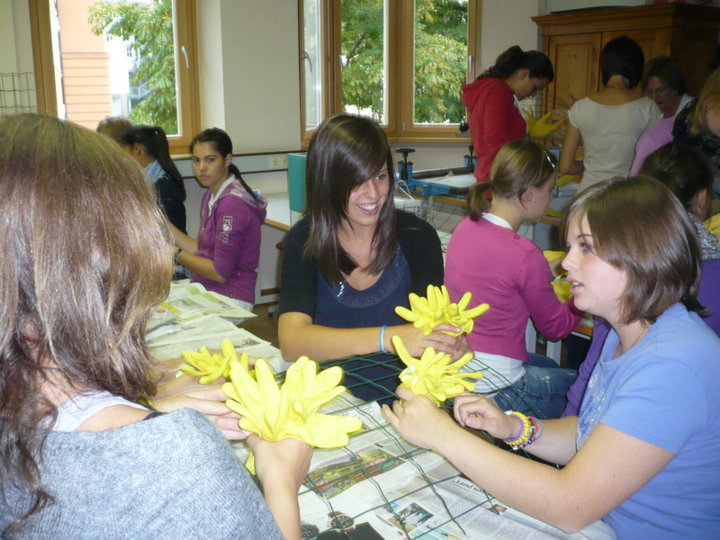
(533, 429)
(381, 339)
(526, 432)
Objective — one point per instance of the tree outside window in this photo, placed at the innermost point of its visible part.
(401, 62)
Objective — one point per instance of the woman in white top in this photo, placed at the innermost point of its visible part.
(609, 122)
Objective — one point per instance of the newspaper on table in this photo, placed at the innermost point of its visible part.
(192, 318)
(189, 298)
(380, 486)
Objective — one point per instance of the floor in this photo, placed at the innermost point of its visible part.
(264, 325)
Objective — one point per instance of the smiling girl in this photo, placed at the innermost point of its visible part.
(354, 257)
(225, 256)
(644, 453)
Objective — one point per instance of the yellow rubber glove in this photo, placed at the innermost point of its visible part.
(560, 284)
(277, 412)
(713, 225)
(210, 367)
(567, 178)
(436, 308)
(434, 375)
(541, 128)
(553, 213)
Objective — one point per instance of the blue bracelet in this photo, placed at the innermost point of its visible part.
(381, 339)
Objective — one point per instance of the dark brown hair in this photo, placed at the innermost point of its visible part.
(682, 168)
(155, 142)
(222, 143)
(666, 69)
(640, 227)
(86, 255)
(518, 166)
(514, 58)
(345, 152)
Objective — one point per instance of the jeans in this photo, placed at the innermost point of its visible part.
(541, 392)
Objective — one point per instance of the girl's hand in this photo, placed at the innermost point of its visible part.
(286, 461)
(207, 400)
(478, 412)
(418, 419)
(416, 343)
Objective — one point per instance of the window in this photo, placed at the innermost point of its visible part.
(98, 58)
(401, 62)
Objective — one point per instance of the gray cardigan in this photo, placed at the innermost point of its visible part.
(171, 476)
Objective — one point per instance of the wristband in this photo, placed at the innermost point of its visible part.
(176, 256)
(381, 339)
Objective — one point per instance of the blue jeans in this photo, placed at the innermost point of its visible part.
(541, 392)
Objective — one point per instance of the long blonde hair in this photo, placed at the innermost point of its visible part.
(86, 255)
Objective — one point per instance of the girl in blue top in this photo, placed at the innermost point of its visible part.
(644, 453)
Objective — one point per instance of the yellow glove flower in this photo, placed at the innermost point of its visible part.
(210, 367)
(276, 412)
(541, 128)
(436, 308)
(434, 375)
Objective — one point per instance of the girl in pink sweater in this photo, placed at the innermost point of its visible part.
(488, 257)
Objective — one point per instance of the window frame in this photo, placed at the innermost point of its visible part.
(400, 126)
(188, 88)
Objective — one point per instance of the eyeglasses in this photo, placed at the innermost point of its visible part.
(649, 92)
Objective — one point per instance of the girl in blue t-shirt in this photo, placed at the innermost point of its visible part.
(644, 453)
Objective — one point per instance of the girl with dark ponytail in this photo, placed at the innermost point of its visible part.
(492, 98)
(148, 145)
(225, 256)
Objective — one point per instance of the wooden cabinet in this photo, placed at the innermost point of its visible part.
(573, 41)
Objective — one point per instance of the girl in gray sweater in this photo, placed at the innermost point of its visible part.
(85, 256)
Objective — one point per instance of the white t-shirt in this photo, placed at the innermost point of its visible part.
(72, 413)
(609, 134)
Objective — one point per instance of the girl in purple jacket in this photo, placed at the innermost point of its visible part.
(225, 256)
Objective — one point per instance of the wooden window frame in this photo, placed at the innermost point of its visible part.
(400, 126)
(188, 89)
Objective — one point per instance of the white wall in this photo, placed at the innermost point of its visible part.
(505, 23)
(15, 42)
(249, 72)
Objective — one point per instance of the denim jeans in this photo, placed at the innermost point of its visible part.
(541, 392)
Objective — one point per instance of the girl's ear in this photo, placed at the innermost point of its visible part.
(228, 160)
(700, 204)
(523, 73)
(528, 195)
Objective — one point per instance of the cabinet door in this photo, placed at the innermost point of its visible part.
(575, 60)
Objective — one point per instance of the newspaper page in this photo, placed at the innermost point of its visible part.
(379, 486)
(190, 298)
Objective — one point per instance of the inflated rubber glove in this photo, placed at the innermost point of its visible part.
(541, 128)
(434, 375)
(210, 367)
(553, 213)
(436, 308)
(276, 412)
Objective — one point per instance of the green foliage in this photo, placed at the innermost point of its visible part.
(440, 57)
(148, 28)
